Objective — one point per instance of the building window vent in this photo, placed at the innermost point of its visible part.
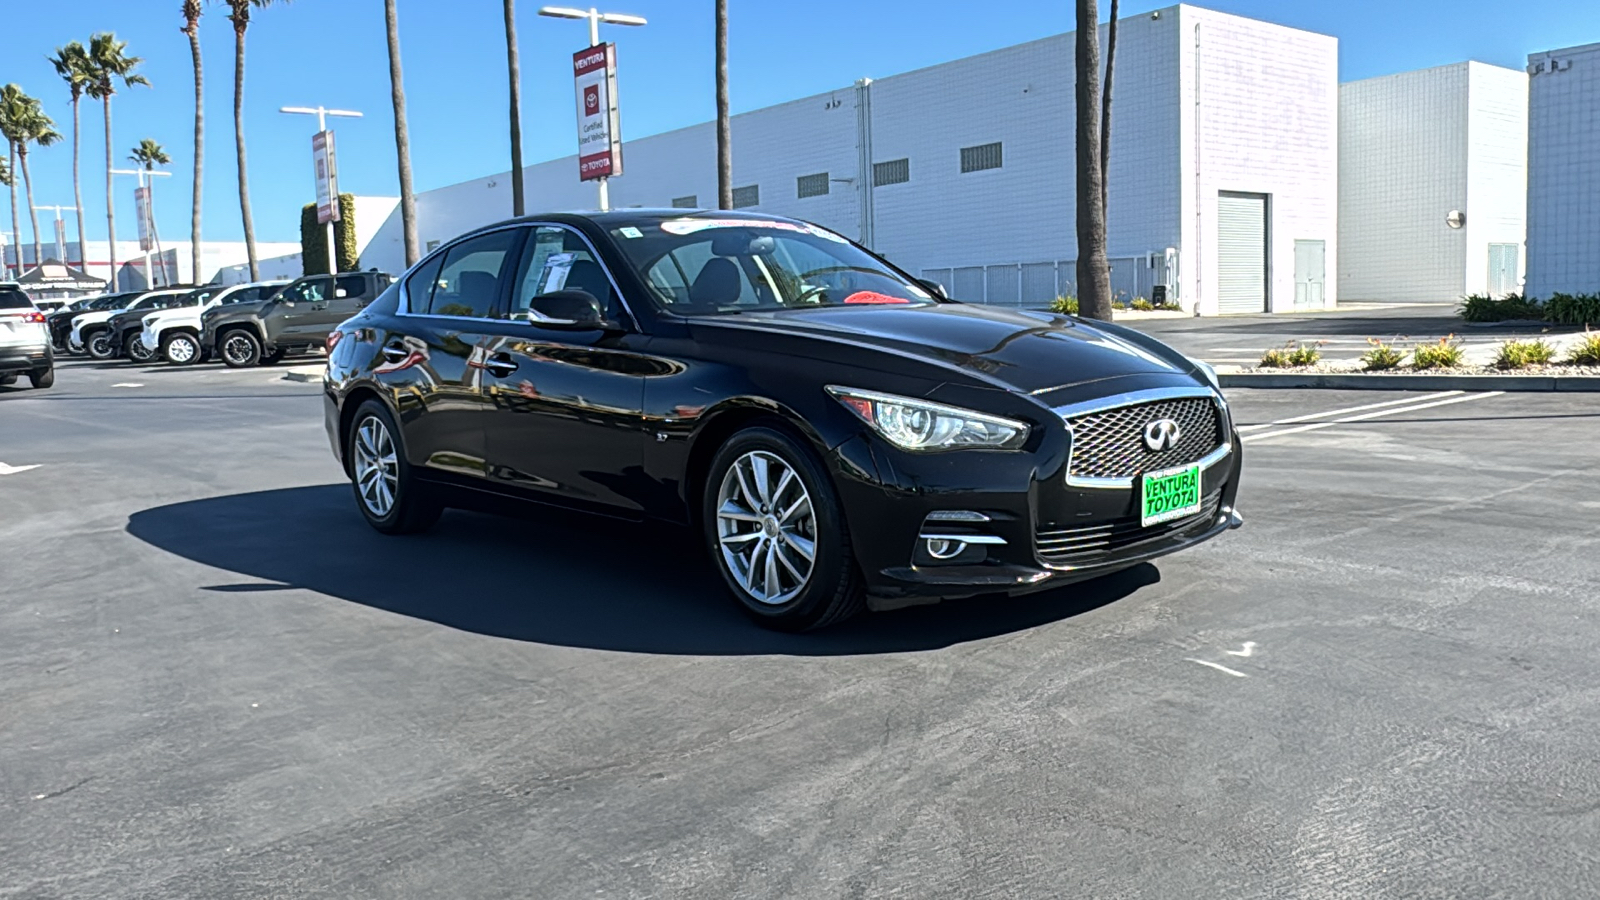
(749, 195)
(690, 202)
(895, 171)
(812, 185)
(983, 156)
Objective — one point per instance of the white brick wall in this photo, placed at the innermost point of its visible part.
(1413, 147)
(1267, 123)
(1564, 171)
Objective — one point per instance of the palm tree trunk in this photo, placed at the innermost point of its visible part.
(724, 127)
(111, 206)
(514, 71)
(16, 223)
(199, 155)
(1105, 108)
(77, 182)
(33, 213)
(238, 140)
(402, 135)
(1094, 278)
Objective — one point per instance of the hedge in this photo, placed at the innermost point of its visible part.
(314, 239)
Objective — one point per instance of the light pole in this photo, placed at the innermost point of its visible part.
(595, 17)
(61, 240)
(322, 113)
(150, 213)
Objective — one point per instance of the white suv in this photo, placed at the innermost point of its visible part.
(24, 340)
(175, 333)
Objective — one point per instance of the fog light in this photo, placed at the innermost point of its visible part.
(944, 548)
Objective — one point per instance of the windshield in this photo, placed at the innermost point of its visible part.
(696, 266)
(112, 301)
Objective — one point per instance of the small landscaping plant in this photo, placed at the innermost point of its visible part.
(1573, 309)
(1522, 354)
(1067, 306)
(1446, 354)
(1382, 356)
(1142, 305)
(1293, 355)
(1587, 351)
(1485, 308)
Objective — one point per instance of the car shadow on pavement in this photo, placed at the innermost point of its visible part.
(561, 579)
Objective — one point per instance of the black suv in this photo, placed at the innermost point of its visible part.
(298, 318)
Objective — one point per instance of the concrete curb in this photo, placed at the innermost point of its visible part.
(310, 374)
(1359, 382)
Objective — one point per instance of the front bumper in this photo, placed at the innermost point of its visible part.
(1031, 529)
(150, 340)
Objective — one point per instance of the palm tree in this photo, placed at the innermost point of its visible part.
(73, 65)
(23, 121)
(7, 179)
(191, 27)
(111, 64)
(239, 15)
(514, 71)
(148, 155)
(1105, 108)
(1094, 276)
(724, 129)
(402, 139)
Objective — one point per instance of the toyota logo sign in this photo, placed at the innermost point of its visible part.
(1161, 434)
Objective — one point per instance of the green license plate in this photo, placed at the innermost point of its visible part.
(1170, 494)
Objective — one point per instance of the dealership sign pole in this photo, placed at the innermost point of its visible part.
(594, 72)
(141, 204)
(326, 167)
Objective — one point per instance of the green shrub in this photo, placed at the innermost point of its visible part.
(1065, 305)
(1293, 355)
(1382, 356)
(1522, 354)
(314, 239)
(1446, 354)
(1573, 309)
(1587, 350)
(1142, 305)
(1484, 308)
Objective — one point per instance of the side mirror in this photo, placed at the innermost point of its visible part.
(934, 288)
(574, 309)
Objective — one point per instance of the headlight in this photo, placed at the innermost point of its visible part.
(912, 424)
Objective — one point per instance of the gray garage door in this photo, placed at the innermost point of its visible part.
(1241, 252)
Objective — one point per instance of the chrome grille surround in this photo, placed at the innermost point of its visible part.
(1107, 434)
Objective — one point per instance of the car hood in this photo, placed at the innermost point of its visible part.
(90, 318)
(229, 310)
(173, 315)
(1031, 352)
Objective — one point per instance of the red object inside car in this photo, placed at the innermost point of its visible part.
(862, 297)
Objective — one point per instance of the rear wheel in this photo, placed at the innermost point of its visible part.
(42, 378)
(135, 350)
(777, 533)
(386, 492)
(180, 348)
(240, 349)
(99, 345)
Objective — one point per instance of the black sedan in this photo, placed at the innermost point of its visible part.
(840, 433)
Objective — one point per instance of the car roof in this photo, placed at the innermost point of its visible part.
(618, 218)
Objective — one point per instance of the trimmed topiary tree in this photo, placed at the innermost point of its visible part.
(314, 239)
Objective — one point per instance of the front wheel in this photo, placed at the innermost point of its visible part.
(389, 497)
(135, 349)
(240, 349)
(180, 349)
(775, 528)
(99, 345)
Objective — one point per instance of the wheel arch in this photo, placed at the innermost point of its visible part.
(718, 425)
(352, 401)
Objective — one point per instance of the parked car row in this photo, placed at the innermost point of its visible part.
(243, 325)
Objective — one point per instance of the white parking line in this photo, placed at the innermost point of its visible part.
(127, 384)
(1347, 409)
(1316, 426)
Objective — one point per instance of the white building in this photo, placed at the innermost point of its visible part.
(1564, 172)
(1432, 183)
(174, 263)
(1223, 168)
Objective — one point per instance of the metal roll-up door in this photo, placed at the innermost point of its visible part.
(1241, 253)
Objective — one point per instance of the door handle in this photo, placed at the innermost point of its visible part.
(500, 365)
(394, 351)
(319, 306)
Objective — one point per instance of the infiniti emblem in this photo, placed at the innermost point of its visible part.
(1161, 434)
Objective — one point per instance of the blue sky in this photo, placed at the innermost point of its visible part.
(332, 52)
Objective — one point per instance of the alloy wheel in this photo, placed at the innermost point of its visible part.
(238, 349)
(766, 528)
(377, 467)
(181, 350)
(137, 351)
(100, 346)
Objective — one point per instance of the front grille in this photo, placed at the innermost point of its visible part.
(1092, 543)
(1110, 443)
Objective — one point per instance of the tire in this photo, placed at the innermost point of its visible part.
(99, 345)
(275, 357)
(180, 348)
(783, 593)
(7, 380)
(386, 492)
(239, 349)
(134, 349)
(42, 378)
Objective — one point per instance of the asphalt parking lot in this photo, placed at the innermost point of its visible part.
(216, 681)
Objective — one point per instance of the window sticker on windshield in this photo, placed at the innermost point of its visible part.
(692, 226)
(628, 231)
(554, 276)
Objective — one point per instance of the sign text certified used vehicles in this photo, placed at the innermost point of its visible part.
(839, 433)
